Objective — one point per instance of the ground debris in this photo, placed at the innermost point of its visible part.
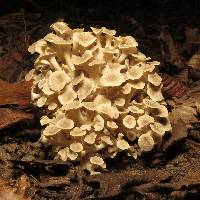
(113, 184)
(15, 190)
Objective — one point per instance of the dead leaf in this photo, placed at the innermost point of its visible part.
(13, 116)
(170, 52)
(15, 93)
(179, 131)
(173, 87)
(9, 65)
(184, 112)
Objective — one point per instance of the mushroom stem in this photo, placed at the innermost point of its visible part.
(121, 57)
(54, 63)
(67, 59)
(108, 42)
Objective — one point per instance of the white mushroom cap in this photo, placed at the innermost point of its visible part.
(108, 31)
(140, 56)
(126, 89)
(155, 79)
(134, 73)
(67, 96)
(101, 99)
(90, 139)
(145, 120)
(128, 42)
(146, 142)
(72, 155)
(44, 120)
(96, 31)
(96, 160)
(56, 39)
(71, 105)
(65, 123)
(154, 92)
(51, 130)
(106, 109)
(129, 121)
(52, 106)
(111, 79)
(107, 140)
(147, 67)
(85, 39)
(85, 89)
(114, 67)
(122, 144)
(77, 132)
(98, 123)
(76, 147)
(86, 127)
(135, 109)
(63, 153)
(150, 103)
(58, 80)
(38, 47)
(160, 128)
(112, 125)
(120, 101)
(41, 101)
(61, 27)
(89, 105)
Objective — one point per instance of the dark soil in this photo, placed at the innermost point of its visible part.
(168, 173)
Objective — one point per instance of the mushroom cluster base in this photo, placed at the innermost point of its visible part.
(104, 95)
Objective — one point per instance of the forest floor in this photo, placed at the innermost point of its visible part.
(167, 32)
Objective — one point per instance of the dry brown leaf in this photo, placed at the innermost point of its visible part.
(173, 87)
(184, 112)
(9, 64)
(179, 131)
(13, 116)
(170, 53)
(15, 93)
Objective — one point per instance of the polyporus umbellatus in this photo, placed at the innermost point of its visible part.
(104, 95)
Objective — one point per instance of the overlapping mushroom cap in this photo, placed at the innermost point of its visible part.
(104, 95)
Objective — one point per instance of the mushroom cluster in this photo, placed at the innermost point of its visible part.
(104, 95)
